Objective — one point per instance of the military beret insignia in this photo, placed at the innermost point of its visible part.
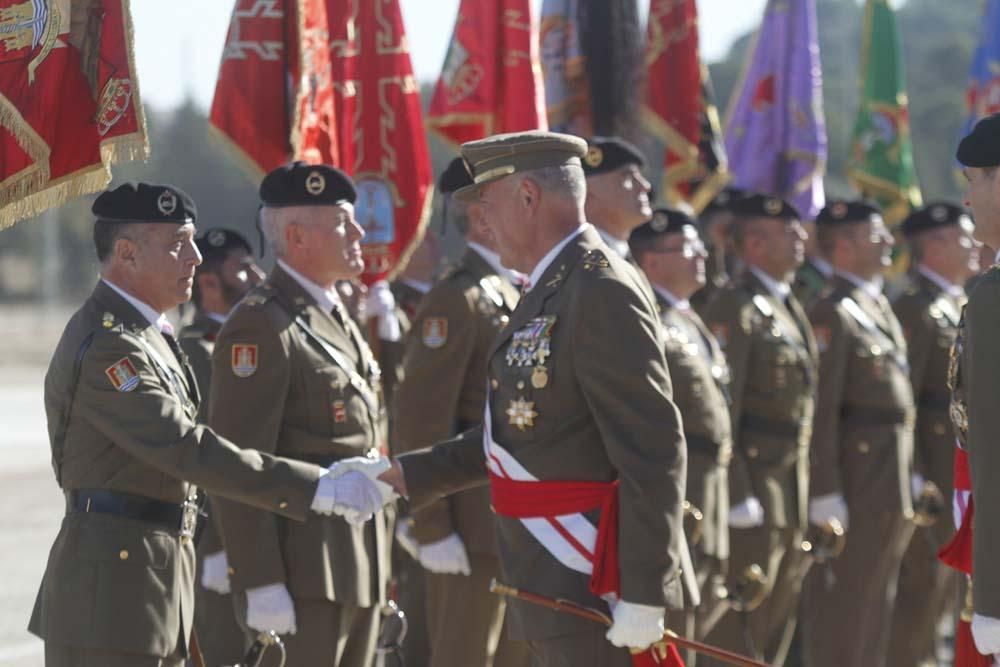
(244, 359)
(594, 156)
(216, 238)
(939, 213)
(839, 210)
(315, 183)
(123, 375)
(166, 203)
(773, 206)
(435, 332)
(659, 222)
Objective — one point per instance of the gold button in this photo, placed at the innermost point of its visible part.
(123, 554)
(494, 384)
(753, 452)
(231, 571)
(283, 505)
(939, 429)
(520, 384)
(864, 447)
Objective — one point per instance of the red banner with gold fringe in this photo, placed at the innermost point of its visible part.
(69, 101)
(491, 80)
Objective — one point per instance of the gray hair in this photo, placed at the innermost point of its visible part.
(565, 180)
(273, 222)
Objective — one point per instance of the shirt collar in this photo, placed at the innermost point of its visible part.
(539, 269)
(327, 299)
(158, 320)
(619, 246)
(493, 259)
(216, 317)
(422, 286)
(777, 288)
(668, 296)
(823, 266)
(872, 288)
(951, 289)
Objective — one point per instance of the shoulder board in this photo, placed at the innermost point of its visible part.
(594, 259)
(259, 296)
(942, 307)
(491, 291)
(763, 306)
(855, 311)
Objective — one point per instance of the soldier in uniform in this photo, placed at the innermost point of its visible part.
(617, 192)
(672, 255)
(945, 253)
(862, 447)
(127, 450)
(227, 271)
(442, 394)
(976, 383)
(814, 274)
(772, 358)
(292, 374)
(579, 399)
(714, 228)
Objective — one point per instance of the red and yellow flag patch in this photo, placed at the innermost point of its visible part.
(244, 360)
(123, 375)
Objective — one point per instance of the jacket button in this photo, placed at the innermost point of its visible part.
(494, 383)
(283, 505)
(123, 554)
(753, 452)
(864, 447)
(231, 571)
(939, 429)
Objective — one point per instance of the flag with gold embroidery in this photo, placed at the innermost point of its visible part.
(679, 107)
(491, 80)
(274, 97)
(383, 145)
(69, 101)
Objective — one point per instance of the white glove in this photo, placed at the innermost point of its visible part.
(370, 468)
(406, 540)
(381, 303)
(748, 514)
(446, 556)
(830, 506)
(351, 495)
(215, 573)
(916, 484)
(986, 634)
(636, 626)
(271, 608)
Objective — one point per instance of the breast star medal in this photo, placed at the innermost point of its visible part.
(521, 414)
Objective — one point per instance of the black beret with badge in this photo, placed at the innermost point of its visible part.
(216, 243)
(841, 212)
(301, 184)
(756, 205)
(664, 221)
(981, 147)
(725, 199)
(934, 216)
(145, 203)
(606, 154)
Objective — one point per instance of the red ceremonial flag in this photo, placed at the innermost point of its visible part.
(274, 97)
(491, 81)
(69, 101)
(382, 141)
(679, 109)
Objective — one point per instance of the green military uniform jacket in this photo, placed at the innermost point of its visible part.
(772, 361)
(130, 426)
(809, 284)
(975, 381)
(930, 318)
(700, 378)
(603, 412)
(444, 389)
(862, 444)
(290, 378)
(391, 353)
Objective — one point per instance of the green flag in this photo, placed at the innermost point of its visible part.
(881, 163)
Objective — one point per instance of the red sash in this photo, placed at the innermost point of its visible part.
(958, 552)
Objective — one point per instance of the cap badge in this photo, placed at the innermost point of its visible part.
(839, 210)
(939, 214)
(594, 157)
(216, 238)
(659, 222)
(773, 206)
(315, 183)
(167, 202)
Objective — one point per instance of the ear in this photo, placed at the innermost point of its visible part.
(529, 194)
(126, 251)
(294, 235)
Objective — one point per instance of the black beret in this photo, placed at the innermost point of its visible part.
(216, 243)
(301, 184)
(725, 200)
(981, 147)
(606, 154)
(838, 212)
(664, 221)
(756, 205)
(932, 216)
(145, 202)
(455, 177)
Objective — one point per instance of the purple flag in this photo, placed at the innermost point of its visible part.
(775, 132)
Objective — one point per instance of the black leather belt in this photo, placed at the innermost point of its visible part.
(874, 416)
(770, 426)
(131, 506)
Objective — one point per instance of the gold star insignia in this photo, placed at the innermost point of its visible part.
(522, 413)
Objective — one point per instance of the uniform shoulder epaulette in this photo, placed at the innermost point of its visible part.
(594, 259)
(258, 296)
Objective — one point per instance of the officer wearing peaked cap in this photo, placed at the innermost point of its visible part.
(584, 331)
(945, 255)
(293, 375)
(862, 445)
(127, 450)
(772, 358)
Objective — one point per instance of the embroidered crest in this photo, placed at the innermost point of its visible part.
(339, 412)
(521, 413)
(595, 259)
(435, 332)
(315, 183)
(167, 202)
(123, 375)
(244, 360)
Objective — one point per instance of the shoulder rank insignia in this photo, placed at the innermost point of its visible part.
(435, 332)
(244, 360)
(123, 375)
(763, 306)
(595, 259)
(521, 414)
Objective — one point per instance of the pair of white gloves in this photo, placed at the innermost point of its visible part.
(350, 489)
(833, 506)
(446, 556)
(750, 513)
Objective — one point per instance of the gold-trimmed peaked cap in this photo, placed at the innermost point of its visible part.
(501, 155)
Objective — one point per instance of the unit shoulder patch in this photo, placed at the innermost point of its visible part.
(434, 333)
(123, 375)
(244, 359)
